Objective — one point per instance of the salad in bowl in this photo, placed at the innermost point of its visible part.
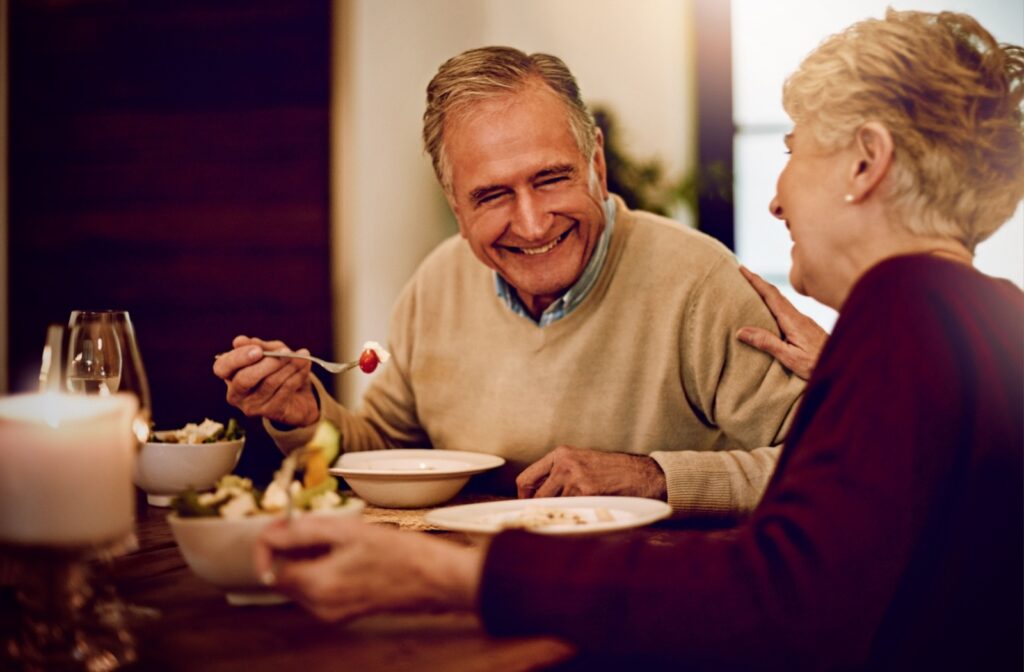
(216, 531)
(194, 456)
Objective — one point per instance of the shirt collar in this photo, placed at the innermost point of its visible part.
(572, 298)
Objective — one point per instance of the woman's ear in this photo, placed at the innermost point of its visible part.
(873, 149)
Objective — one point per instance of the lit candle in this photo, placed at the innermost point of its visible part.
(66, 465)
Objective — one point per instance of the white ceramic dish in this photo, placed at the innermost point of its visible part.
(164, 470)
(411, 478)
(219, 550)
(596, 514)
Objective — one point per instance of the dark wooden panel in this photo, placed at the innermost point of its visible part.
(184, 224)
(160, 136)
(170, 158)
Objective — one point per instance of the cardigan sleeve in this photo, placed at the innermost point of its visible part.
(716, 484)
(356, 432)
(744, 392)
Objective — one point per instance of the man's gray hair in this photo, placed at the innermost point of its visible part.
(489, 72)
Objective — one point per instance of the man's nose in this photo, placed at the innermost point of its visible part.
(776, 208)
(530, 221)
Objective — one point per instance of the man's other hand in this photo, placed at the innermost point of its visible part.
(568, 471)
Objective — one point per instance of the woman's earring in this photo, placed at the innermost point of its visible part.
(848, 198)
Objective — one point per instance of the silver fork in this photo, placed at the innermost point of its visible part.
(333, 367)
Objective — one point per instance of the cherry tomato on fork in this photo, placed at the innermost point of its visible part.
(368, 361)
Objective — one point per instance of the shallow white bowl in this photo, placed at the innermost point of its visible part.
(411, 478)
(164, 470)
(219, 550)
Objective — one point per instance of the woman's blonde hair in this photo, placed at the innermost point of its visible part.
(490, 72)
(949, 94)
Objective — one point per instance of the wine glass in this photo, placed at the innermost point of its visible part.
(103, 358)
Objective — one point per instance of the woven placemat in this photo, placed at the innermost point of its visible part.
(412, 519)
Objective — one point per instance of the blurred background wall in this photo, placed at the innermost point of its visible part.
(170, 158)
(255, 166)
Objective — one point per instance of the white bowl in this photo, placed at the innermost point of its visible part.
(164, 470)
(220, 550)
(411, 478)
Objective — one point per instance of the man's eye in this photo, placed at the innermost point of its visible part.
(553, 180)
(490, 198)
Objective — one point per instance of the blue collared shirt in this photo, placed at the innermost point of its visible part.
(568, 302)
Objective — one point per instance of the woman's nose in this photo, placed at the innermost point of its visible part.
(776, 208)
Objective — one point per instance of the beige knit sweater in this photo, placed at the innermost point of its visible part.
(648, 363)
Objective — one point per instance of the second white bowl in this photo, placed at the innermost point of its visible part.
(411, 478)
(164, 470)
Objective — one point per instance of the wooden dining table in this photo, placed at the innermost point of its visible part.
(181, 622)
(185, 623)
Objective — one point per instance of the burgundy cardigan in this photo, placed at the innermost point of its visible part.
(890, 535)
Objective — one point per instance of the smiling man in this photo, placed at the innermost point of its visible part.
(527, 200)
(591, 346)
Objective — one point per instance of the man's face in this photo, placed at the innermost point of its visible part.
(529, 204)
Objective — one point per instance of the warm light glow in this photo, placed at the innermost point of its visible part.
(140, 428)
(66, 464)
(55, 408)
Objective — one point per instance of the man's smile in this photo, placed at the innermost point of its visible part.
(541, 249)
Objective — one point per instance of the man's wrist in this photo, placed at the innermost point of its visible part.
(656, 479)
(310, 418)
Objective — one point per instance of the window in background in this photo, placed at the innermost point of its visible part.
(768, 42)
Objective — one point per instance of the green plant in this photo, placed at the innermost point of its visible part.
(643, 184)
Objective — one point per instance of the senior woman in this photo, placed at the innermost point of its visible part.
(891, 533)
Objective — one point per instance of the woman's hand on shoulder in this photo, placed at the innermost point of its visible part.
(802, 338)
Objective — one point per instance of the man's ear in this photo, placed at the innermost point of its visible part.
(600, 167)
(873, 152)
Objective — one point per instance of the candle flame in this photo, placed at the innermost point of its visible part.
(140, 428)
(50, 402)
(56, 409)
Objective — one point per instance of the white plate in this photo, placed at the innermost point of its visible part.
(597, 514)
(405, 464)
